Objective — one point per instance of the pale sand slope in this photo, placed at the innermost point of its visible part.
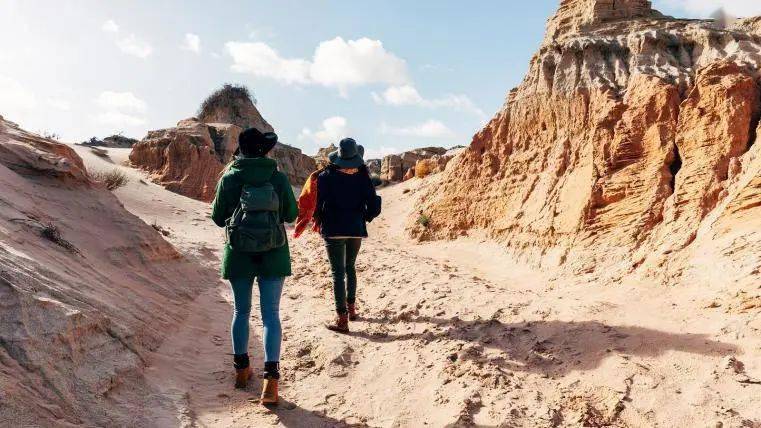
(456, 333)
(87, 292)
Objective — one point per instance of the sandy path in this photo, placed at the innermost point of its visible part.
(457, 334)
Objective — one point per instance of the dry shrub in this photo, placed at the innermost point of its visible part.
(423, 220)
(113, 179)
(424, 168)
(160, 229)
(225, 96)
(101, 153)
(49, 231)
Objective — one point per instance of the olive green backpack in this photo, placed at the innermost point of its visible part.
(255, 226)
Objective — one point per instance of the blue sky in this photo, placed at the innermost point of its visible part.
(393, 74)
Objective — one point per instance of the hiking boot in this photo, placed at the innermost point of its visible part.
(241, 377)
(271, 374)
(242, 370)
(353, 316)
(269, 391)
(340, 325)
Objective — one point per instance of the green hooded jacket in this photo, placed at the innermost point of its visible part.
(255, 171)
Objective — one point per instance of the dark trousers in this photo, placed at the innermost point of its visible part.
(342, 253)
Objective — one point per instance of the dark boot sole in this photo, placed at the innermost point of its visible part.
(337, 329)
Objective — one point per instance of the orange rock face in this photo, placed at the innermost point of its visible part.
(182, 159)
(189, 158)
(629, 132)
(29, 154)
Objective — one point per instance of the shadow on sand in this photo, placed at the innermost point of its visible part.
(553, 347)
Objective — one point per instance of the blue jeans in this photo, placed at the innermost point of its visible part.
(270, 290)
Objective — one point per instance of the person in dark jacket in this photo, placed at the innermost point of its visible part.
(252, 167)
(346, 201)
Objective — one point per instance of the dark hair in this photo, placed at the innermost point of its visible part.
(254, 143)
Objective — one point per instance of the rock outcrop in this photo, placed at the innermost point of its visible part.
(374, 166)
(232, 104)
(628, 134)
(435, 164)
(394, 168)
(84, 294)
(184, 159)
(295, 164)
(321, 158)
(114, 141)
(29, 154)
(188, 158)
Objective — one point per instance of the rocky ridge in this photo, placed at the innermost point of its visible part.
(399, 167)
(630, 139)
(113, 141)
(189, 158)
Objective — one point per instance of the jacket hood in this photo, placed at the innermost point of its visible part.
(252, 170)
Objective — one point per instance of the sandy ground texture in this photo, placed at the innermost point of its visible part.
(453, 334)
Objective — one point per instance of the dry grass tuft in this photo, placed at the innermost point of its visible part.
(101, 153)
(49, 231)
(113, 179)
(424, 168)
(160, 229)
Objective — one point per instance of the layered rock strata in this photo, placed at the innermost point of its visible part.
(87, 290)
(629, 132)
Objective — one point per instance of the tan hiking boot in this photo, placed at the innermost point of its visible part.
(353, 316)
(340, 325)
(241, 377)
(269, 391)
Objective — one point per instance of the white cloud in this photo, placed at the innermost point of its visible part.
(110, 26)
(132, 45)
(261, 60)
(121, 101)
(333, 130)
(119, 119)
(59, 104)
(399, 96)
(14, 98)
(429, 129)
(336, 63)
(407, 95)
(342, 64)
(704, 8)
(120, 109)
(192, 43)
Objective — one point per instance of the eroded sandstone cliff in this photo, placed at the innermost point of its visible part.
(399, 167)
(84, 292)
(630, 137)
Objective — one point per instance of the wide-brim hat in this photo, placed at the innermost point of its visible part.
(253, 142)
(348, 155)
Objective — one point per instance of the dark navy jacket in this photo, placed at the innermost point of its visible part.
(345, 202)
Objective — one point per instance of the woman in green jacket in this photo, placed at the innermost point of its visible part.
(253, 170)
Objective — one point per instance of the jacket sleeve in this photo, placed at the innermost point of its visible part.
(290, 209)
(220, 208)
(306, 203)
(373, 202)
